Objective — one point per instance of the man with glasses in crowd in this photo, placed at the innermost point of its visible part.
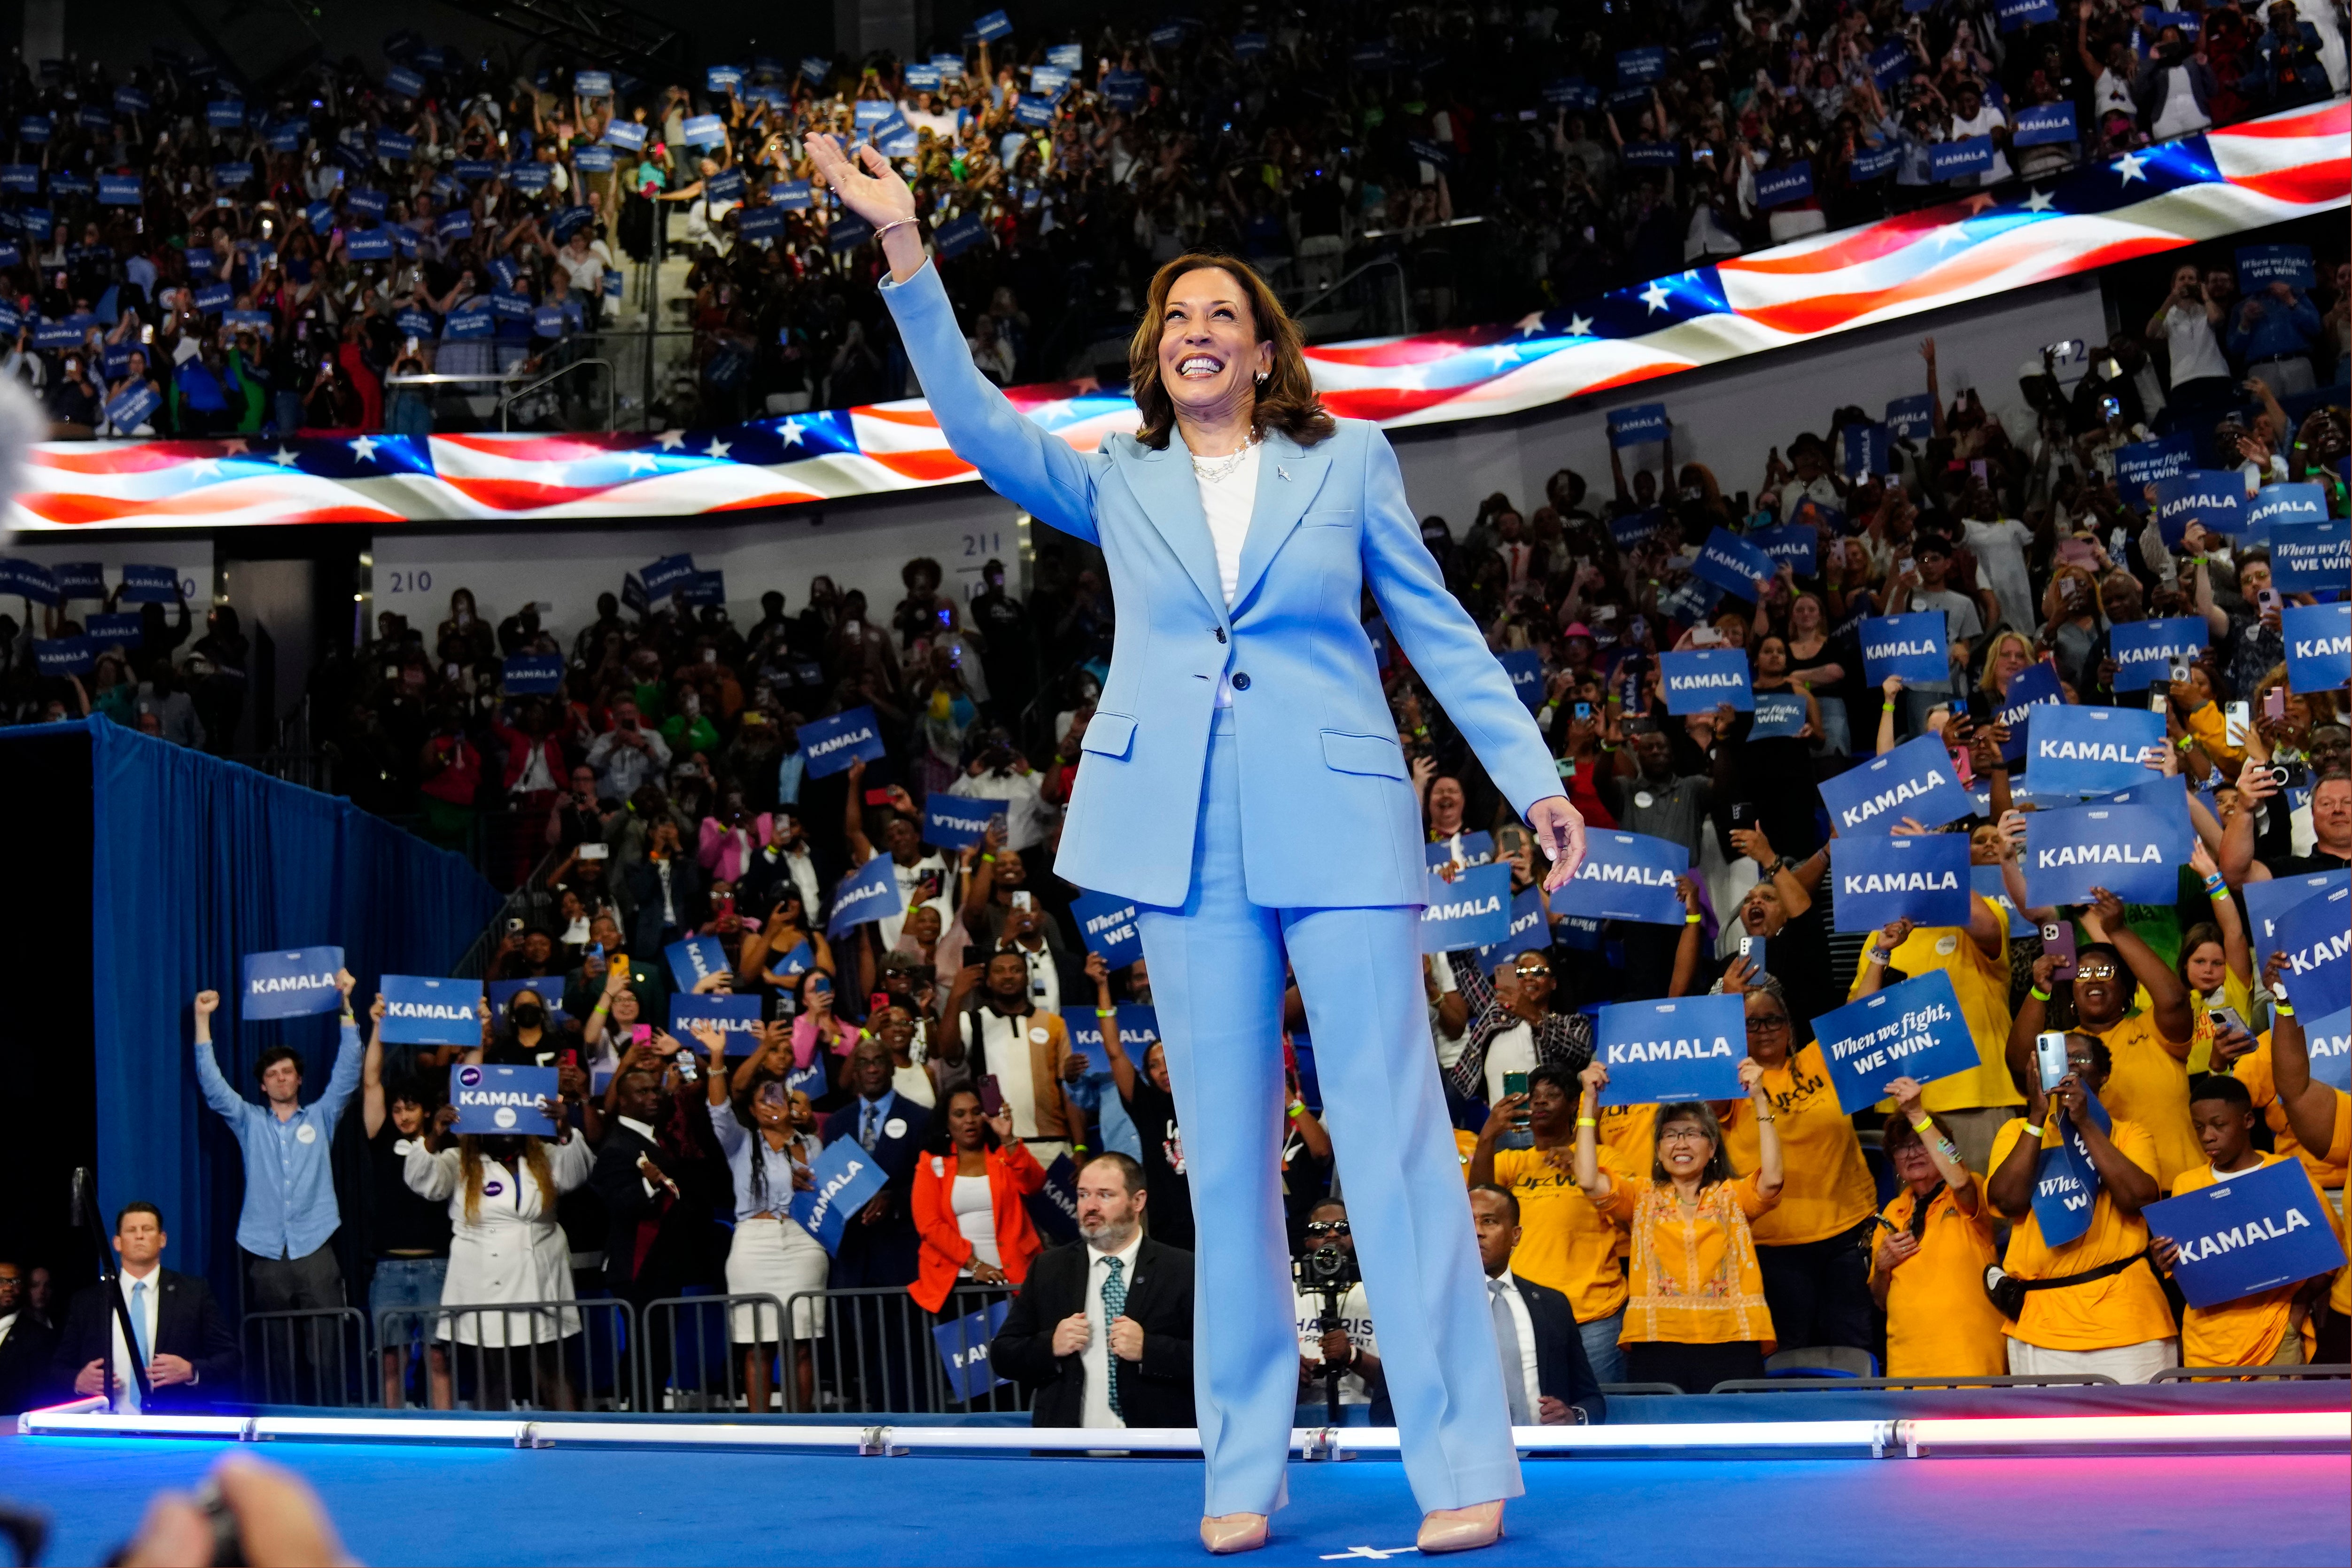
(1512, 1026)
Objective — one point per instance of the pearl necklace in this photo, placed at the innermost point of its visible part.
(1215, 469)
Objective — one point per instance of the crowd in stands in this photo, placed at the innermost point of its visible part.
(667, 789)
(180, 259)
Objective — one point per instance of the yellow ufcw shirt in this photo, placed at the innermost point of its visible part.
(2124, 1309)
(2247, 1330)
(1981, 981)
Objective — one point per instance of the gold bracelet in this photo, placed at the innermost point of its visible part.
(1767, 1121)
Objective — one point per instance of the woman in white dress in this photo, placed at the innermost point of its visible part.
(505, 1247)
(772, 1253)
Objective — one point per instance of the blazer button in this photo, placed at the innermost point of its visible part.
(1221, 634)
(1241, 681)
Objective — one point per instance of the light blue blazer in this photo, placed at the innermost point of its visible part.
(1328, 818)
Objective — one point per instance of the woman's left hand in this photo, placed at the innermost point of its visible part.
(1560, 828)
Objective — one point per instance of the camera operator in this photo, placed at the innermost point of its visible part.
(1335, 1325)
(999, 772)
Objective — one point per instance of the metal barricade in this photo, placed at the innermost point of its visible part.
(315, 1355)
(2320, 1372)
(880, 1352)
(541, 1355)
(1816, 1384)
(689, 1358)
(1615, 1389)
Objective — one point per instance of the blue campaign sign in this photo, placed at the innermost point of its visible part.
(2318, 646)
(547, 322)
(1138, 1031)
(2308, 557)
(1921, 876)
(2015, 14)
(2144, 463)
(1528, 933)
(2035, 686)
(79, 579)
(368, 245)
(1107, 925)
(1864, 450)
(2215, 500)
(2329, 1042)
(869, 893)
(2143, 650)
(30, 580)
(1913, 1030)
(2167, 796)
(403, 81)
(669, 571)
(722, 78)
(706, 588)
(1910, 645)
(1780, 186)
(2260, 265)
(993, 27)
(626, 135)
(119, 191)
(1632, 527)
(2063, 1197)
(2089, 751)
(1639, 68)
(1778, 715)
(793, 195)
(1916, 780)
(959, 234)
(730, 1015)
(65, 656)
(1890, 63)
(1659, 1053)
(550, 991)
(703, 130)
(593, 84)
(1959, 159)
(1474, 849)
(2130, 850)
(1912, 418)
(953, 821)
(799, 962)
(1525, 667)
(1698, 680)
(501, 1101)
(293, 983)
(1866, 166)
(2317, 937)
(2275, 504)
(1791, 545)
(1651, 155)
(122, 629)
(131, 410)
(1643, 422)
(963, 1351)
(592, 160)
(1626, 876)
(422, 1011)
(2044, 124)
(1987, 883)
(214, 298)
(531, 674)
(846, 1179)
(2268, 901)
(832, 743)
(2250, 1232)
(696, 959)
(1472, 910)
(1733, 564)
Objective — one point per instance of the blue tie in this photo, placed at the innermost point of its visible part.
(866, 1133)
(1114, 1307)
(137, 1331)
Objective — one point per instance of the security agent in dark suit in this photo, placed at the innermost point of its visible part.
(879, 1246)
(192, 1356)
(639, 1195)
(27, 1345)
(1565, 1392)
(1103, 1327)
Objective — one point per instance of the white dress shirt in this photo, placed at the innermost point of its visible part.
(146, 1302)
(1226, 504)
(1505, 1286)
(1097, 1358)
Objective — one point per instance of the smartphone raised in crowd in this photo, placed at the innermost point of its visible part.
(878, 798)
(2239, 718)
(992, 1096)
(1751, 947)
(2050, 1057)
(2058, 939)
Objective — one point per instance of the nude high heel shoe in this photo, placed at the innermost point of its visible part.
(1462, 1529)
(1233, 1532)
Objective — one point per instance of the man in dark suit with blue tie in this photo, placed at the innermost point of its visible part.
(879, 1244)
(191, 1355)
(1546, 1377)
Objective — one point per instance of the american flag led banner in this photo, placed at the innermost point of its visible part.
(2141, 203)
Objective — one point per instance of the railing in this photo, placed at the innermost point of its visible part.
(678, 1370)
(1815, 1385)
(529, 900)
(2251, 1373)
(508, 400)
(315, 1355)
(1359, 312)
(548, 1355)
(878, 1352)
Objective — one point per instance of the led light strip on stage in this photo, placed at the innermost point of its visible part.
(2297, 1431)
(2143, 202)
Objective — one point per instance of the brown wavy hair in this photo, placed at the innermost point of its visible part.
(1285, 400)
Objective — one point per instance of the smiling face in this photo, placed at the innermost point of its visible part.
(1210, 354)
(1684, 1147)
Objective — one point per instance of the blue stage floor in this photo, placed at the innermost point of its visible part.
(398, 1504)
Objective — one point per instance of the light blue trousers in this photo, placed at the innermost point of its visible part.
(1217, 982)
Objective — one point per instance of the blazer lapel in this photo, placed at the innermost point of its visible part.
(1162, 481)
(1288, 478)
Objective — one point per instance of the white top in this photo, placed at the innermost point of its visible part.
(2001, 549)
(1505, 1287)
(1986, 121)
(1513, 1050)
(1227, 503)
(914, 1085)
(975, 1212)
(1005, 1044)
(2180, 114)
(1097, 1358)
(147, 1301)
(1356, 1317)
(2196, 354)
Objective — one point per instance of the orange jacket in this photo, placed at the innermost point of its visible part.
(1012, 1174)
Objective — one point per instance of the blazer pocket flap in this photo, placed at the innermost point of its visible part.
(1108, 734)
(1348, 754)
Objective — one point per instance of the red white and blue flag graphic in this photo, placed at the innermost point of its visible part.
(2143, 202)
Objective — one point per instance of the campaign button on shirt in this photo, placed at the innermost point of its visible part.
(1241, 681)
(1037, 1037)
(895, 1128)
(401, 1146)
(1643, 799)
(491, 1189)
(1946, 946)
(305, 1133)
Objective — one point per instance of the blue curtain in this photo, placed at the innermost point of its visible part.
(196, 862)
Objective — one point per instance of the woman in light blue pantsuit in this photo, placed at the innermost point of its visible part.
(1243, 781)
